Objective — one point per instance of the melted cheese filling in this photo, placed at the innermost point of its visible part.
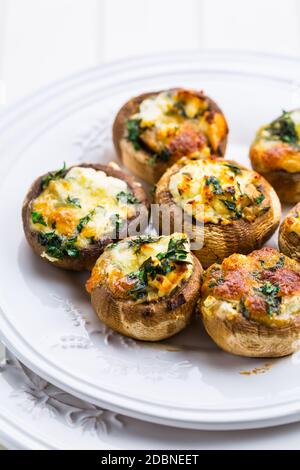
(229, 310)
(168, 115)
(212, 191)
(83, 192)
(263, 287)
(292, 222)
(162, 112)
(115, 268)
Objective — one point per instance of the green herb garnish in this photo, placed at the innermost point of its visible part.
(279, 264)
(180, 107)
(133, 129)
(127, 197)
(37, 218)
(176, 252)
(231, 205)
(85, 220)
(269, 289)
(162, 156)
(259, 199)
(53, 176)
(137, 242)
(284, 129)
(73, 201)
(270, 293)
(116, 220)
(217, 188)
(236, 169)
(57, 246)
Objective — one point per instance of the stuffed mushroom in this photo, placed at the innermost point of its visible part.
(70, 215)
(232, 209)
(153, 130)
(289, 234)
(275, 154)
(251, 304)
(146, 287)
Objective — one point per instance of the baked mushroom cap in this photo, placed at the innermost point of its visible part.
(146, 287)
(153, 130)
(289, 234)
(232, 209)
(70, 215)
(275, 153)
(251, 304)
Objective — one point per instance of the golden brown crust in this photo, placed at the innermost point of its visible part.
(289, 237)
(220, 241)
(87, 256)
(273, 156)
(245, 332)
(152, 321)
(139, 162)
(279, 163)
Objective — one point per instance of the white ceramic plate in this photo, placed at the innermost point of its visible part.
(35, 414)
(46, 317)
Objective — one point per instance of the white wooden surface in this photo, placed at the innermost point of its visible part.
(44, 40)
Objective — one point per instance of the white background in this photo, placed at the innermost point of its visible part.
(44, 40)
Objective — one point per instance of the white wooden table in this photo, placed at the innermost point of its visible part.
(44, 40)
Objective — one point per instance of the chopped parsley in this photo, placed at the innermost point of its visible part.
(112, 245)
(259, 199)
(147, 270)
(162, 156)
(269, 289)
(73, 201)
(140, 288)
(133, 135)
(127, 197)
(231, 206)
(116, 220)
(284, 129)
(180, 107)
(258, 274)
(176, 252)
(217, 188)
(37, 218)
(57, 246)
(279, 264)
(236, 169)
(137, 242)
(270, 293)
(53, 176)
(133, 130)
(85, 220)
